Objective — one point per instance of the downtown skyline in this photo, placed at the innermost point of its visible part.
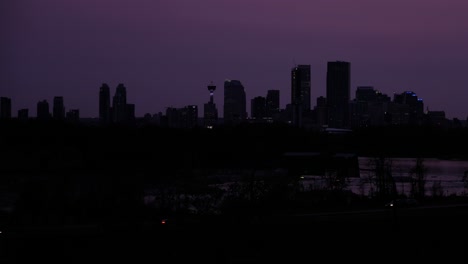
(219, 103)
(166, 52)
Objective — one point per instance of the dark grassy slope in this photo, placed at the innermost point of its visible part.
(78, 193)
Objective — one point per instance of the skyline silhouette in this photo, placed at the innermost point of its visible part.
(165, 49)
(368, 107)
(295, 91)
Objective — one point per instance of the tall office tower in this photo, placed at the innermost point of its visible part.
(258, 108)
(58, 108)
(338, 93)
(119, 104)
(321, 111)
(5, 108)
(104, 104)
(234, 102)
(272, 103)
(43, 110)
(300, 93)
(23, 114)
(173, 117)
(189, 116)
(210, 112)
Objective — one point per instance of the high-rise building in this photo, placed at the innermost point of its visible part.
(173, 117)
(58, 108)
(210, 112)
(272, 103)
(300, 87)
(300, 93)
(258, 108)
(104, 104)
(189, 116)
(321, 112)
(5, 108)
(409, 107)
(338, 93)
(234, 102)
(43, 110)
(369, 108)
(119, 104)
(23, 114)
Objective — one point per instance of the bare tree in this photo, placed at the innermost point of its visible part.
(385, 184)
(418, 174)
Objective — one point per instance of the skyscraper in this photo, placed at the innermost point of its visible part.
(258, 108)
(119, 104)
(5, 108)
(189, 116)
(300, 92)
(234, 102)
(300, 86)
(338, 93)
(104, 104)
(43, 110)
(210, 112)
(58, 108)
(272, 103)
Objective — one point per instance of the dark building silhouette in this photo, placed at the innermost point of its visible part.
(210, 112)
(186, 117)
(369, 108)
(43, 112)
(338, 93)
(58, 108)
(234, 102)
(119, 104)
(436, 118)
(130, 114)
(104, 104)
(122, 113)
(173, 117)
(321, 112)
(23, 114)
(272, 103)
(258, 108)
(73, 115)
(406, 109)
(5, 108)
(300, 92)
(189, 116)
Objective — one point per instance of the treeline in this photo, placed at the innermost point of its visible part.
(70, 172)
(47, 146)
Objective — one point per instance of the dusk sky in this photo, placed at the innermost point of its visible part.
(167, 51)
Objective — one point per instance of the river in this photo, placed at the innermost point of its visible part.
(442, 176)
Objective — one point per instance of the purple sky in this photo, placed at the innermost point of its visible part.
(167, 51)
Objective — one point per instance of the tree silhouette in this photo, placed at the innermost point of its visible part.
(418, 174)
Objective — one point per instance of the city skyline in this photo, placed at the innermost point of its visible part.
(344, 99)
(163, 50)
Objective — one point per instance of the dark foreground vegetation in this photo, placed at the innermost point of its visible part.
(72, 193)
